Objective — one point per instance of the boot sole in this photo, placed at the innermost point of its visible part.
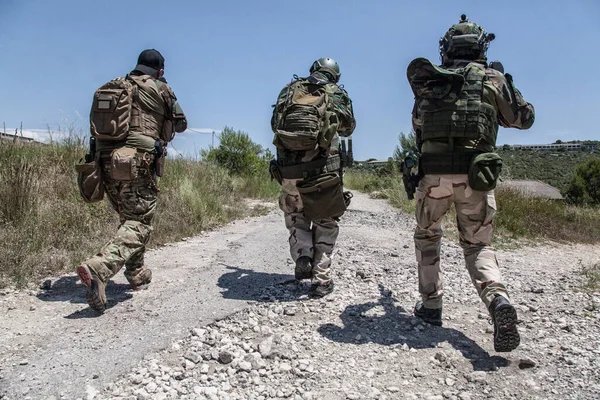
(507, 336)
(93, 300)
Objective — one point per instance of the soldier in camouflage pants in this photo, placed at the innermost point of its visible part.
(131, 183)
(311, 242)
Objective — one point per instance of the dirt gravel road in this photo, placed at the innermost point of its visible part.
(230, 290)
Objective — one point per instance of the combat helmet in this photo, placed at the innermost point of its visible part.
(465, 40)
(329, 65)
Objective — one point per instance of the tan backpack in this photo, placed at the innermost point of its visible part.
(111, 110)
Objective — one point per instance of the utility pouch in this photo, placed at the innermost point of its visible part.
(89, 180)
(322, 196)
(124, 164)
(484, 171)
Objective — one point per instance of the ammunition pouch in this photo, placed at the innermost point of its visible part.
(445, 163)
(127, 164)
(89, 180)
(322, 196)
(484, 171)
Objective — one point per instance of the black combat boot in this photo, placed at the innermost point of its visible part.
(318, 291)
(504, 317)
(432, 316)
(303, 268)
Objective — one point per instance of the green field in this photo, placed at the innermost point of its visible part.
(553, 167)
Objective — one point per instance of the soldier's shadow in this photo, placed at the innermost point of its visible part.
(69, 289)
(393, 325)
(247, 284)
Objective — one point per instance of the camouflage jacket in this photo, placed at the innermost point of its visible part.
(342, 104)
(513, 111)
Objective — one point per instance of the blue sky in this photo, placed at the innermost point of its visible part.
(227, 60)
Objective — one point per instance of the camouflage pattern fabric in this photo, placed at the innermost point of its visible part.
(475, 213)
(475, 209)
(135, 201)
(314, 239)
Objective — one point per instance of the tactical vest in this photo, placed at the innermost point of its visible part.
(148, 112)
(135, 104)
(469, 117)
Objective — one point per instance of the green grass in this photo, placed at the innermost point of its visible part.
(518, 217)
(46, 229)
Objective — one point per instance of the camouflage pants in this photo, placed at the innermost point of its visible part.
(474, 216)
(314, 239)
(135, 201)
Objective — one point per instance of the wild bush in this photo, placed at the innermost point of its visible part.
(585, 185)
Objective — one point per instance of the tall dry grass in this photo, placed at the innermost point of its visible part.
(45, 227)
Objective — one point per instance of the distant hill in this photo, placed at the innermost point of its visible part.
(553, 167)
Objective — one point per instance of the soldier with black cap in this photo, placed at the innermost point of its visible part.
(131, 121)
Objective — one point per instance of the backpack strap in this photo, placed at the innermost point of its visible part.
(136, 112)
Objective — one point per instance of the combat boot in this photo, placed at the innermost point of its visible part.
(317, 291)
(303, 268)
(504, 317)
(141, 281)
(96, 296)
(432, 316)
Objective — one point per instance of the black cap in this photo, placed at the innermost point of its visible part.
(150, 62)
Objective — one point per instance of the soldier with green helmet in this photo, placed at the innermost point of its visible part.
(458, 107)
(309, 116)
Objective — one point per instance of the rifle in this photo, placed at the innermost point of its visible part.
(410, 180)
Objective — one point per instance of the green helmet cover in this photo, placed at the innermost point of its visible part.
(465, 40)
(327, 64)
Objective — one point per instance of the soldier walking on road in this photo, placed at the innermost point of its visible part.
(131, 121)
(308, 118)
(458, 107)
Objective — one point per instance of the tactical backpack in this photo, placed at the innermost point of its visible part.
(304, 118)
(112, 107)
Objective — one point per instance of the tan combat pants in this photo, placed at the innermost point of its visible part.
(474, 214)
(314, 239)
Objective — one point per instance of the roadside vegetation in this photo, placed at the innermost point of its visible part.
(46, 228)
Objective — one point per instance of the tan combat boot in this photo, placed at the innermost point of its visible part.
(141, 281)
(96, 296)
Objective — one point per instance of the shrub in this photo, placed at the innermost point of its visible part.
(238, 153)
(585, 186)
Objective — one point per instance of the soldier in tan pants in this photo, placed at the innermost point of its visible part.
(458, 107)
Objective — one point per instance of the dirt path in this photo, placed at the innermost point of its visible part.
(361, 342)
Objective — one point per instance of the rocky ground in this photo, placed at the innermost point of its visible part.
(362, 342)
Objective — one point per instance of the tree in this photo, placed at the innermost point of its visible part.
(238, 153)
(585, 186)
(407, 147)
